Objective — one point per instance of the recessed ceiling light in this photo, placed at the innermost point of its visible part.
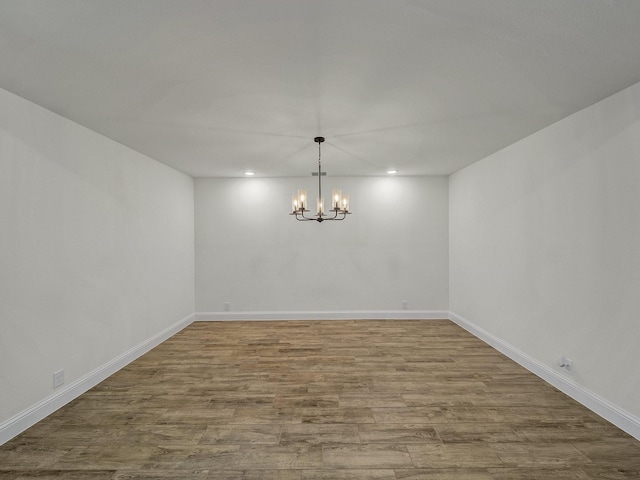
(249, 173)
(392, 171)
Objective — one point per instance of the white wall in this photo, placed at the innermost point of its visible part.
(96, 251)
(251, 253)
(545, 246)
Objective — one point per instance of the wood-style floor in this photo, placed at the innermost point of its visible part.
(323, 400)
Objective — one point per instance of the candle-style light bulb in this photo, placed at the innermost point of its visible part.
(336, 197)
(320, 206)
(345, 202)
(302, 198)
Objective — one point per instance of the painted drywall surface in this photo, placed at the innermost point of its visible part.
(252, 254)
(96, 250)
(545, 246)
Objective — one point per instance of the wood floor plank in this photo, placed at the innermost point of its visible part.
(320, 434)
(461, 455)
(315, 400)
(368, 456)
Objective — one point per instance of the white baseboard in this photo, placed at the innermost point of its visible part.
(32, 415)
(607, 410)
(325, 315)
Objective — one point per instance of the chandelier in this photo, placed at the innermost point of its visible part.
(339, 202)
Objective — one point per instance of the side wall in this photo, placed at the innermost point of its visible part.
(96, 252)
(252, 254)
(545, 249)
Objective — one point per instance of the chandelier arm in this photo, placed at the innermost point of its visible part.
(303, 218)
(335, 217)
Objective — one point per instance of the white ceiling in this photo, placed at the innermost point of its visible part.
(216, 87)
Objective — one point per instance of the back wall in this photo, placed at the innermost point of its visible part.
(252, 254)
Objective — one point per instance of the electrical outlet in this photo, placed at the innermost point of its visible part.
(404, 304)
(227, 306)
(58, 378)
(566, 363)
